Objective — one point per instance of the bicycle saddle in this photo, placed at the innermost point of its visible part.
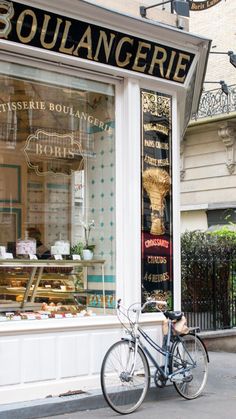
(173, 315)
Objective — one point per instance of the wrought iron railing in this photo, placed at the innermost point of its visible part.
(209, 292)
(216, 102)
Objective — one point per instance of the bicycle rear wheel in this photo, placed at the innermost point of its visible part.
(124, 379)
(190, 363)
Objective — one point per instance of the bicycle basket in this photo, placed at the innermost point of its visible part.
(180, 326)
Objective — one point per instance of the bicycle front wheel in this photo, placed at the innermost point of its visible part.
(124, 377)
(189, 366)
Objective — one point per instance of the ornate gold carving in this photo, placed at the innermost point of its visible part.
(56, 153)
(156, 105)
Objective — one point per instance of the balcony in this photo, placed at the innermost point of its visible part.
(216, 102)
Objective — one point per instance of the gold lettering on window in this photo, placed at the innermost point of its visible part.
(44, 33)
(123, 40)
(64, 39)
(158, 61)
(107, 45)
(181, 66)
(85, 42)
(20, 24)
(141, 55)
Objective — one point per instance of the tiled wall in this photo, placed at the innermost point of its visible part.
(101, 208)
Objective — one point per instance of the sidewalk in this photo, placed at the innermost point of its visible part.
(222, 375)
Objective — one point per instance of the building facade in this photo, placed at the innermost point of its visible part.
(208, 151)
(91, 118)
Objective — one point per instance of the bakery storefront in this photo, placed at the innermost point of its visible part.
(90, 121)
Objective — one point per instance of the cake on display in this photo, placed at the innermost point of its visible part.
(2, 252)
(26, 246)
(61, 247)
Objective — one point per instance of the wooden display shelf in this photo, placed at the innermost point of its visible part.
(35, 277)
(50, 263)
(15, 306)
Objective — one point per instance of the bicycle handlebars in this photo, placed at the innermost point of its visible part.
(156, 302)
(148, 302)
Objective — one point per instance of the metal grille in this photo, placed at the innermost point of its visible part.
(209, 293)
(215, 102)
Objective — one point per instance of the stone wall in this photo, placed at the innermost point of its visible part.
(220, 341)
(218, 24)
(160, 14)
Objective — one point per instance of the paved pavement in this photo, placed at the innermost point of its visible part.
(217, 402)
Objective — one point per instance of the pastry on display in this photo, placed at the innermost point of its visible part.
(48, 311)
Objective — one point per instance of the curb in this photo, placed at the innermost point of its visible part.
(53, 406)
(61, 405)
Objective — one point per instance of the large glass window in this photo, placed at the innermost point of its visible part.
(57, 193)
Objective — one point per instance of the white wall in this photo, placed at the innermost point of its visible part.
(207, 176)
(193, 220)
(52, 357)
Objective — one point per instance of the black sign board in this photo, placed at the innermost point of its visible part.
(156, 211)
(45, 30)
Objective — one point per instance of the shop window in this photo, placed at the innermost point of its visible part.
(57, 192)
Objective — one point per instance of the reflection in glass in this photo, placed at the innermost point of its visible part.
(57, 171)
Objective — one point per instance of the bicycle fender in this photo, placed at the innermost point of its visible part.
(128, 339)
(203, 344)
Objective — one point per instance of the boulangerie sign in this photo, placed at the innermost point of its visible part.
(46, 30)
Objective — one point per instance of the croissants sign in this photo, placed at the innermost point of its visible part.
(45, 30)
(156, 206)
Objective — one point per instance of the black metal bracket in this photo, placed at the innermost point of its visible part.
(232, 56)
(181, 7)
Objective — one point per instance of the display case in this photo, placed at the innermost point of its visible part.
(50, 286)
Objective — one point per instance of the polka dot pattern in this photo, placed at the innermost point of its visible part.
(101, 204)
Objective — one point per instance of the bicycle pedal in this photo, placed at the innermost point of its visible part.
(177, 378)
(180, 378)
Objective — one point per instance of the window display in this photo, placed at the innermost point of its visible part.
(57, 193)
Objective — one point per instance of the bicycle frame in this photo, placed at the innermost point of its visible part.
(165, 351)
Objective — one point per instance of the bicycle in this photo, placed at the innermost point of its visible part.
(125, 371)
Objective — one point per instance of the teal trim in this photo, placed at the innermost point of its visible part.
(100, 292)
(98, 278)
(16, 211)
(94, 129)
(18, 169)
(57, 186)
